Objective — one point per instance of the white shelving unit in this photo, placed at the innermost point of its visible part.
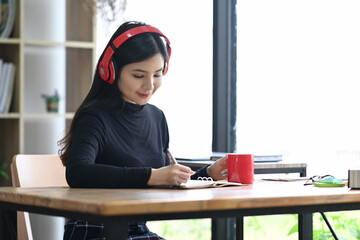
(53, 46)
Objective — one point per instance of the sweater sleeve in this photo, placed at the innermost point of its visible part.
(82, 170)
(200, 173)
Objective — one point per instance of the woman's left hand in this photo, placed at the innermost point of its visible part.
(215, 170)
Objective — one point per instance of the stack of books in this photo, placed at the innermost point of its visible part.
(7, 69)
(257, 158)
(7, 79)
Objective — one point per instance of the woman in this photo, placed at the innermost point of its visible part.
(117, 139)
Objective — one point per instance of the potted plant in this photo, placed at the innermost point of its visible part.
(3, 172)
(52, 101)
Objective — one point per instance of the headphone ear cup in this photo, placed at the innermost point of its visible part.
(169, 54)
(112, 72)
(108, 71)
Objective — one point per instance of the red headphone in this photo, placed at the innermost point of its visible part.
(106, 66)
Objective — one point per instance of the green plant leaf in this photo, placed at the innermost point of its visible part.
(294, 229)
(319, 234)
(354, 232)
(4, 174)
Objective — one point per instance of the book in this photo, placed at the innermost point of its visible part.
(11, 79)
(286, 179)
(3, 89)
(7, 19)
(7, 86)
(2, 81)
(205, 183)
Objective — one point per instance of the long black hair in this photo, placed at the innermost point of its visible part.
(104, 95)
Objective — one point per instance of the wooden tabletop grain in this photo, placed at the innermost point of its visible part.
(117, 202)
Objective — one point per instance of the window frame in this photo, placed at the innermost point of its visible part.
(224, 96)
(224, 76)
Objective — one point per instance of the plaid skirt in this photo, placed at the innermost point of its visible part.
(84, 230)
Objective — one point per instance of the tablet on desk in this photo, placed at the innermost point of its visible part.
(194, 158)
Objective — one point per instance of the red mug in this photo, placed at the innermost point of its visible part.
(240, 168)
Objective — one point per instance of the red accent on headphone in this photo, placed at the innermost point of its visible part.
(106, 67)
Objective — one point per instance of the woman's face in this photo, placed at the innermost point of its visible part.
(139, 81)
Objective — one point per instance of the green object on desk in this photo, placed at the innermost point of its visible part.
(329, 182)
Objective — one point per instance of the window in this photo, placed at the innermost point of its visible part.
(297, 77)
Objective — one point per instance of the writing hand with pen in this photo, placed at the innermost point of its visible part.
(175, 174)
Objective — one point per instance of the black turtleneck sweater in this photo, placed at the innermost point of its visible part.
(118, 148)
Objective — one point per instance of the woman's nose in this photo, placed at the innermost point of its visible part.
(148, 83)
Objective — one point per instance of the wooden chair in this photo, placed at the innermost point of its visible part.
(35, 171)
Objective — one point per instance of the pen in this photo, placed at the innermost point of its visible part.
(171, 157)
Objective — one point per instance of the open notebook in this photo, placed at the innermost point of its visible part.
(205, 183)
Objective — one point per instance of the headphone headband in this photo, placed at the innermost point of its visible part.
(106, 66)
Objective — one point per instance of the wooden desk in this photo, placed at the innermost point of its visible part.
(221, 227)
(115, 207)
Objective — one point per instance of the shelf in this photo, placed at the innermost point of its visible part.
(10, 41)
(48, 115)
(69, 44)
(36, 115)
(53, 46)
(55, 50)
(9, 115)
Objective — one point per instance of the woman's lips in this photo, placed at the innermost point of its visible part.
(143, 95)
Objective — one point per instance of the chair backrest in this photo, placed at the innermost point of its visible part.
(35, 171)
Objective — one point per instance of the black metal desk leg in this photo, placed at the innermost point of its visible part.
(223, 229)
(305, 221)
(329, 226)
(116, 230)
(303, 173)
(8, 224)
(240, 228)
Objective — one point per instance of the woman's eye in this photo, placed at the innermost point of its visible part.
(158, 75)
(138, 76)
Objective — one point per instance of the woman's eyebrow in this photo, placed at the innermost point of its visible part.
(141, 70)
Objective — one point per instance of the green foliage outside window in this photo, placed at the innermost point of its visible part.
(345, 224)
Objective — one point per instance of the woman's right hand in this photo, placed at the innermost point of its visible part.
(170, 175)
